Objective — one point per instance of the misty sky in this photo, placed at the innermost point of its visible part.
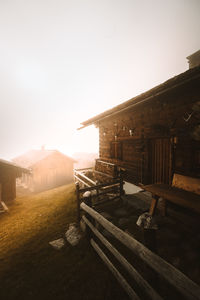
(62, 62)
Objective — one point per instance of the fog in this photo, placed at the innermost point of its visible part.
(62, 62)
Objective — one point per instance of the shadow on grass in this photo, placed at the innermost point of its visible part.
(31, 269)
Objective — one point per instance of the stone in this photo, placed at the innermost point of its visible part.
(73, 235)
(146, 221)
(57, 244)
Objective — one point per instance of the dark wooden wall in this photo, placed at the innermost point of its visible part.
(8, 183)
(152, 140)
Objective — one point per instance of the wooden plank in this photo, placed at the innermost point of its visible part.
(4, 206)
(106, 163)
(86, 178)
(154, 202)
(78, 202)
(142, 283)
(132, 295)
(103, 174)
(82, 181)
(186, 183)
(175, 195)
(83, 169)
(182, 283)
(99, 186)
(111, 186)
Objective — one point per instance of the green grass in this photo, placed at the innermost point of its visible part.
(31, 269)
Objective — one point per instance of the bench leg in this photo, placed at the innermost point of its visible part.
(153, 206)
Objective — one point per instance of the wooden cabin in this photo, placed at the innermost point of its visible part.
(155, 134)
(49, 169)
(8, 174)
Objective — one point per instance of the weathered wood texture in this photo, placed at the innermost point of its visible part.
(8, 177)
(154, 140)
(132, 295)
(182, 283)
(106, 167)
(143, 284)
(175, 195)
(84, 178)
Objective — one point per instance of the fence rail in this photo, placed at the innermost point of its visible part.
(114, 185)
(131, 270)
(186, 287)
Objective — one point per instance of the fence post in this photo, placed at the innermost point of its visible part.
(121, 183)
(78, 202)
(87, 199)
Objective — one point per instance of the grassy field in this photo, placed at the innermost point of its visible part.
(31, 269)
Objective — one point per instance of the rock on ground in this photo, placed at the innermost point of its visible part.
(57, 244)
(73, 235)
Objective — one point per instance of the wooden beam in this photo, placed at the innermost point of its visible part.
(138, 100)
(132, 295)
(83, 169)
(4, 206)
(96, 187)
(86, 178)
(78, 202)
(154, 202)
(142, 283)
(181, 282)
(106, 163)
(103, 174)
(81, 181)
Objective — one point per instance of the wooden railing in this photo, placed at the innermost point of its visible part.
(101, 189)
(106, 167)
(109, 186)
(186, 287)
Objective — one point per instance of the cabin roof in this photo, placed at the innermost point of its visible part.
(31, 157)
(6, 163)
(168, 85)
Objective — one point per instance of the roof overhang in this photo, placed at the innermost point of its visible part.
(14, 166)
(161, 89)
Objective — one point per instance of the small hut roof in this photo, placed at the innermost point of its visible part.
(30, 158)
(6, 163)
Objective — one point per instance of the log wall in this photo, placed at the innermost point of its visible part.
(8, 183)
(126, 138)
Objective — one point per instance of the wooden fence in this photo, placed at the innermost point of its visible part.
(186, 287)
(108, 187)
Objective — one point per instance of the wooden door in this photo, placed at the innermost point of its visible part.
(161, 160)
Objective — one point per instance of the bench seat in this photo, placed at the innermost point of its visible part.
(175, 195)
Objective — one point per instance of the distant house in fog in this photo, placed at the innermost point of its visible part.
(8, 174)
(49, 169)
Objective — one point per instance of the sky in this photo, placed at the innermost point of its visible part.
(64, 61)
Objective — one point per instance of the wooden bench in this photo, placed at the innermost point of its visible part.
(184, 191)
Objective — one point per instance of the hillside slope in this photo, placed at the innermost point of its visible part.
(31, 269)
